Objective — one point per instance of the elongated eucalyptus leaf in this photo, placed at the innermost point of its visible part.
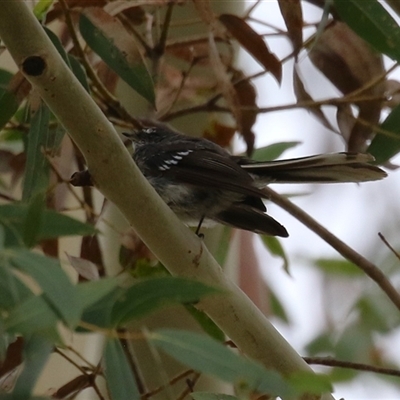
(14, 218)
(208, 356)
(55, 284)
(370, 20)
(37, 350)
(36, 167)
(109, 39)
(384, 147)
(119, 376)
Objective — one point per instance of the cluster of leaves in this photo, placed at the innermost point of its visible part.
(104, 43)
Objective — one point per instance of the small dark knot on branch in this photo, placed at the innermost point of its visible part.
(81, 178)
(34, 65)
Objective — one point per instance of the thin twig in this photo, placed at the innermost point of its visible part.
(389, 245)
(331, 362)
(71, 361)
(174, 380)
(342, 248)
(131, 361)
(190, 385)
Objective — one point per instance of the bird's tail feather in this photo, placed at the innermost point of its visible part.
(337, 167)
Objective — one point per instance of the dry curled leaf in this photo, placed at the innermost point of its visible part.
(247, 96)
(302, 95)
(350, 63)
(293, 17)
(253, 43)
(224, 82)
(219, 133)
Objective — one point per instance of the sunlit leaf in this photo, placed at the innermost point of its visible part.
(41, 8)
(119, 376)
(109, 39)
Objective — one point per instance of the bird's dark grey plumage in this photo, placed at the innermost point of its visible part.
(199, 180)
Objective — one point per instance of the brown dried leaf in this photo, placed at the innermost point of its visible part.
(205, 11)
(191, 48)
(219, 133)
(228, 90)
(345, 120)
(350, 63)
(293, 17)
(247, 96)
(253, 43)
(107, 76)
(302, 95)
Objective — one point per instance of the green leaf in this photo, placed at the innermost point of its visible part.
(384, 147)
(277, 308)
(206, 323)
(8, 107)
(36, 352)
(119, 376)
(12, 290)
(5, 77)
(41, 8)
(78, 71)
(36, 167)
(33, 220)
(208, 356)
(109, 39)
(273, 151)
(212, 396)
(370, 20)
(52, 225)
(33, 315)
(309, 382)
(90, 293)
(151, 294)
(58, 291)
(322, 344)
(275, 248)
(339, 267)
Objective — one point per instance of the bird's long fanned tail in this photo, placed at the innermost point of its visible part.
(328, 168)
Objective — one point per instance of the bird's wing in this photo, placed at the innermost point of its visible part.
(205, 168)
